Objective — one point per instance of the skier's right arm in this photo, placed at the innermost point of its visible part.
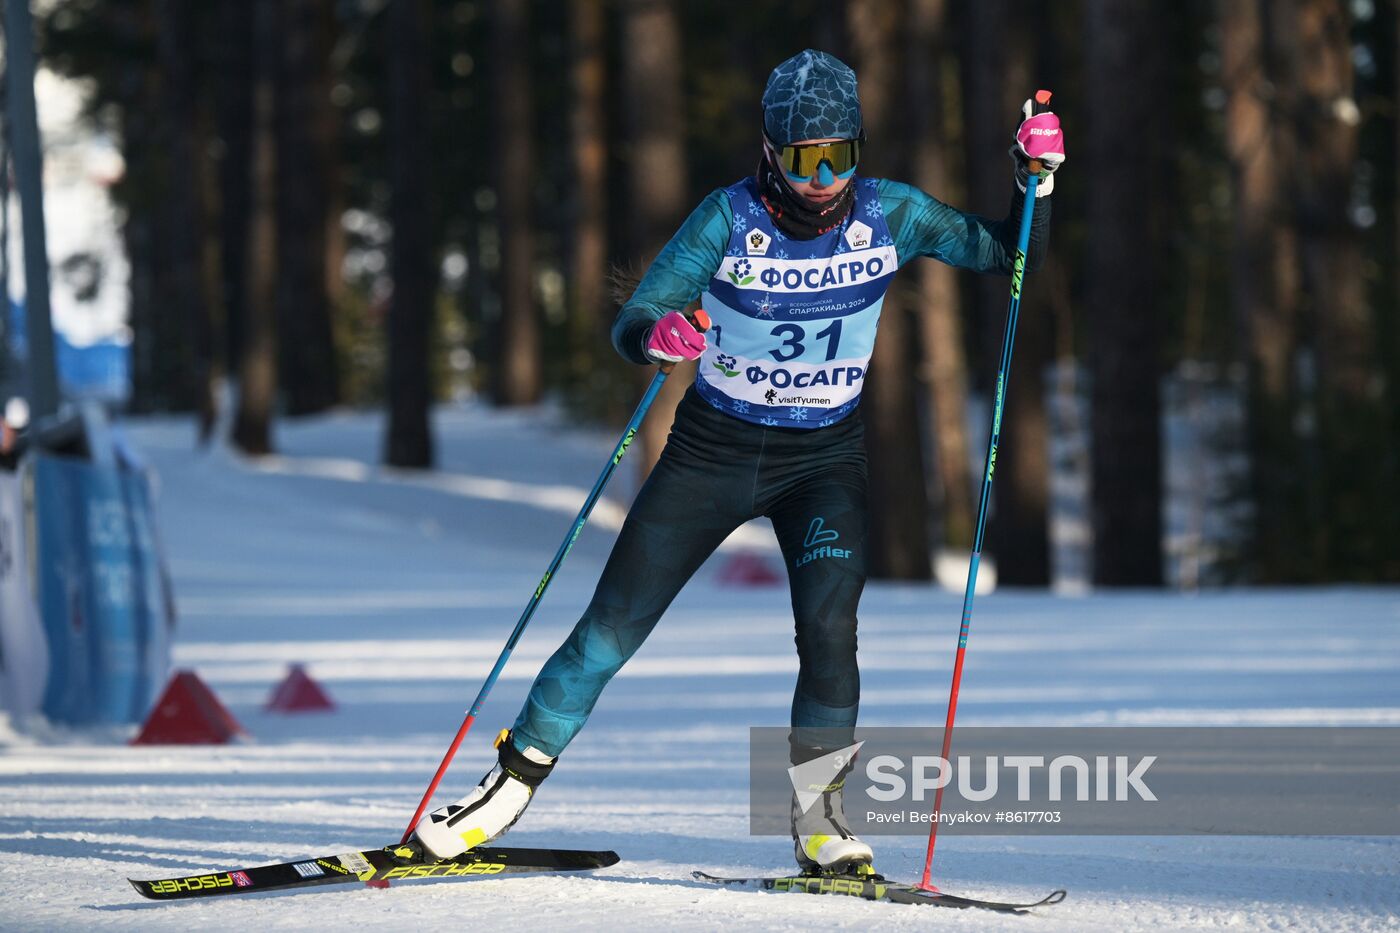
(680, 272)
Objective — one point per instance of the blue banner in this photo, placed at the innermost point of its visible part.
(100, 592)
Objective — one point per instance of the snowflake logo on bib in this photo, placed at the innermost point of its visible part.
(765, 307)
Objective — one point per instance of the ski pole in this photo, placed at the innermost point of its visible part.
(701, 320)
(1008, 340)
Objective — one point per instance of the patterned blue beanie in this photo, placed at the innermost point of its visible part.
(811, 96)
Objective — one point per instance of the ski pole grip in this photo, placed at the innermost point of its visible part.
(1040, 104)
(700, 321)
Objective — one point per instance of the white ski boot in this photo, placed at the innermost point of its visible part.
(491, 808)
(822, 840)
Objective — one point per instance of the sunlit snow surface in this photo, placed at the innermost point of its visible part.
(398, 590)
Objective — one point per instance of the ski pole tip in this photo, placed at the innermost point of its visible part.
(377, 883)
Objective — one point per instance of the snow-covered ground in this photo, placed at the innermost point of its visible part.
(397, 592)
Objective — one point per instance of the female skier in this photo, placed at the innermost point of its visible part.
(791, 265)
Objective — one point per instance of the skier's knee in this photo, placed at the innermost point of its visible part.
(826, 636)
(597, 649)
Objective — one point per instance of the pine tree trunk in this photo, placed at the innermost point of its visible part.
(1263, 274)
(412, 263)
(588, 243)
(137, 234)
(1393, 348)
(327, 135)
(326, 141)
(211, 264)
(520, 367)
(1266, 313)
(944, 364)
(656, 173)
(996, 79)
(252, 429)
(899, 508)
(233, 119)
(307, 349)
(984, 62)
(1351, 407)
(1331, 243)
(181, 214)
(1021, 533)
(155, 351)
(1124, 68)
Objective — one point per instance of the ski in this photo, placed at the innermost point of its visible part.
(389, 864)
(873, 888)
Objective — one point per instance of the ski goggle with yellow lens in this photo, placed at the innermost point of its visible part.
(801, 163)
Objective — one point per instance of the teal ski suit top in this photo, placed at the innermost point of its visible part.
(920, 224)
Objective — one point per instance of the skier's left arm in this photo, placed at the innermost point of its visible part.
(680, 272)
(922, 225)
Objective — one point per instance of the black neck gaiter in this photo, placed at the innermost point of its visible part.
(793, 214)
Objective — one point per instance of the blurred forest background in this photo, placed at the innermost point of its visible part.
(397, 202)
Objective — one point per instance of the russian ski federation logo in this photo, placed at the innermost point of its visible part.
(858, 236)
(757, 242)
(813, 778)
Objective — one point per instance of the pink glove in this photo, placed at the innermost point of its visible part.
(673, 339)
(1038, 137)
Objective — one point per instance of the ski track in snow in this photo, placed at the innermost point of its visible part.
(398, 590)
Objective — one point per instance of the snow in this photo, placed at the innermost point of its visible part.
(397, 591)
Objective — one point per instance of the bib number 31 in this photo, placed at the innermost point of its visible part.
(793, 336)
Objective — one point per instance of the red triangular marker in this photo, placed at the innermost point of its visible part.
(188, 713)
(298, 693)
(748, 569)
